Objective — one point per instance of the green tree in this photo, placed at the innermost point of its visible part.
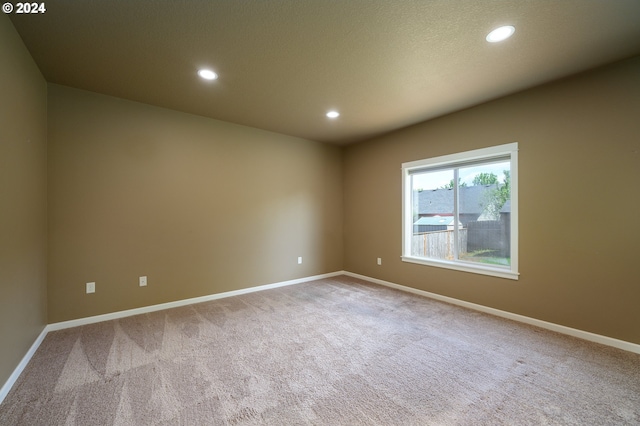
(450, 184)
(497, 197)
(504, 190)
(485, 179)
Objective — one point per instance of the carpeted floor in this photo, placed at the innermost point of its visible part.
(338, 351)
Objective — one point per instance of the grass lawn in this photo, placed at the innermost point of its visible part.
(491, 257)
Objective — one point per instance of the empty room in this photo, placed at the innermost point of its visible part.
(292, 212)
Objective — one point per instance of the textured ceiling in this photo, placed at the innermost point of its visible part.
(284, 63)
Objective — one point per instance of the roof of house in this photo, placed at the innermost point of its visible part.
(434, 221)
(440, 201)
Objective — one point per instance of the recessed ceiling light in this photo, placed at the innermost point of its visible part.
(207, 74)
(333, 114)
(500, 34)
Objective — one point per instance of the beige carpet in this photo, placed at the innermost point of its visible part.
(333, 352)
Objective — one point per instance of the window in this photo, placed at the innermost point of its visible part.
(460, 211)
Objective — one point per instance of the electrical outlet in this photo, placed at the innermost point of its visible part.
(91, 287)
(143, 281)
(379, 261)
(299, 260)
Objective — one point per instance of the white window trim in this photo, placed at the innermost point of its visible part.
(511, 150)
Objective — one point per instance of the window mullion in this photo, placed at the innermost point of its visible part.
(455, 214)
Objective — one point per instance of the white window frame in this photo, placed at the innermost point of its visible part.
(457, 160)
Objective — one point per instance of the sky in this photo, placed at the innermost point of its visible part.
(435, 180)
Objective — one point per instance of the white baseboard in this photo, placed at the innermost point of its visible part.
(23, 363)
(183, 302)
(585, 335)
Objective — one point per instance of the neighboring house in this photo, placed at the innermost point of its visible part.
(433, 223)
(472, 201)
(506, 209)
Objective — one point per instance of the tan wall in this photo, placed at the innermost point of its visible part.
(23, 209)
(199, 206)
(579, 170)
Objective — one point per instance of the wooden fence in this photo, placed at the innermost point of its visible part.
(438, 244)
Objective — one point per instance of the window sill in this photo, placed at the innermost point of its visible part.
(465, 267)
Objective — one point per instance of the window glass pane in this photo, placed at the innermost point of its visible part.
(432, 201)
(484, 211)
